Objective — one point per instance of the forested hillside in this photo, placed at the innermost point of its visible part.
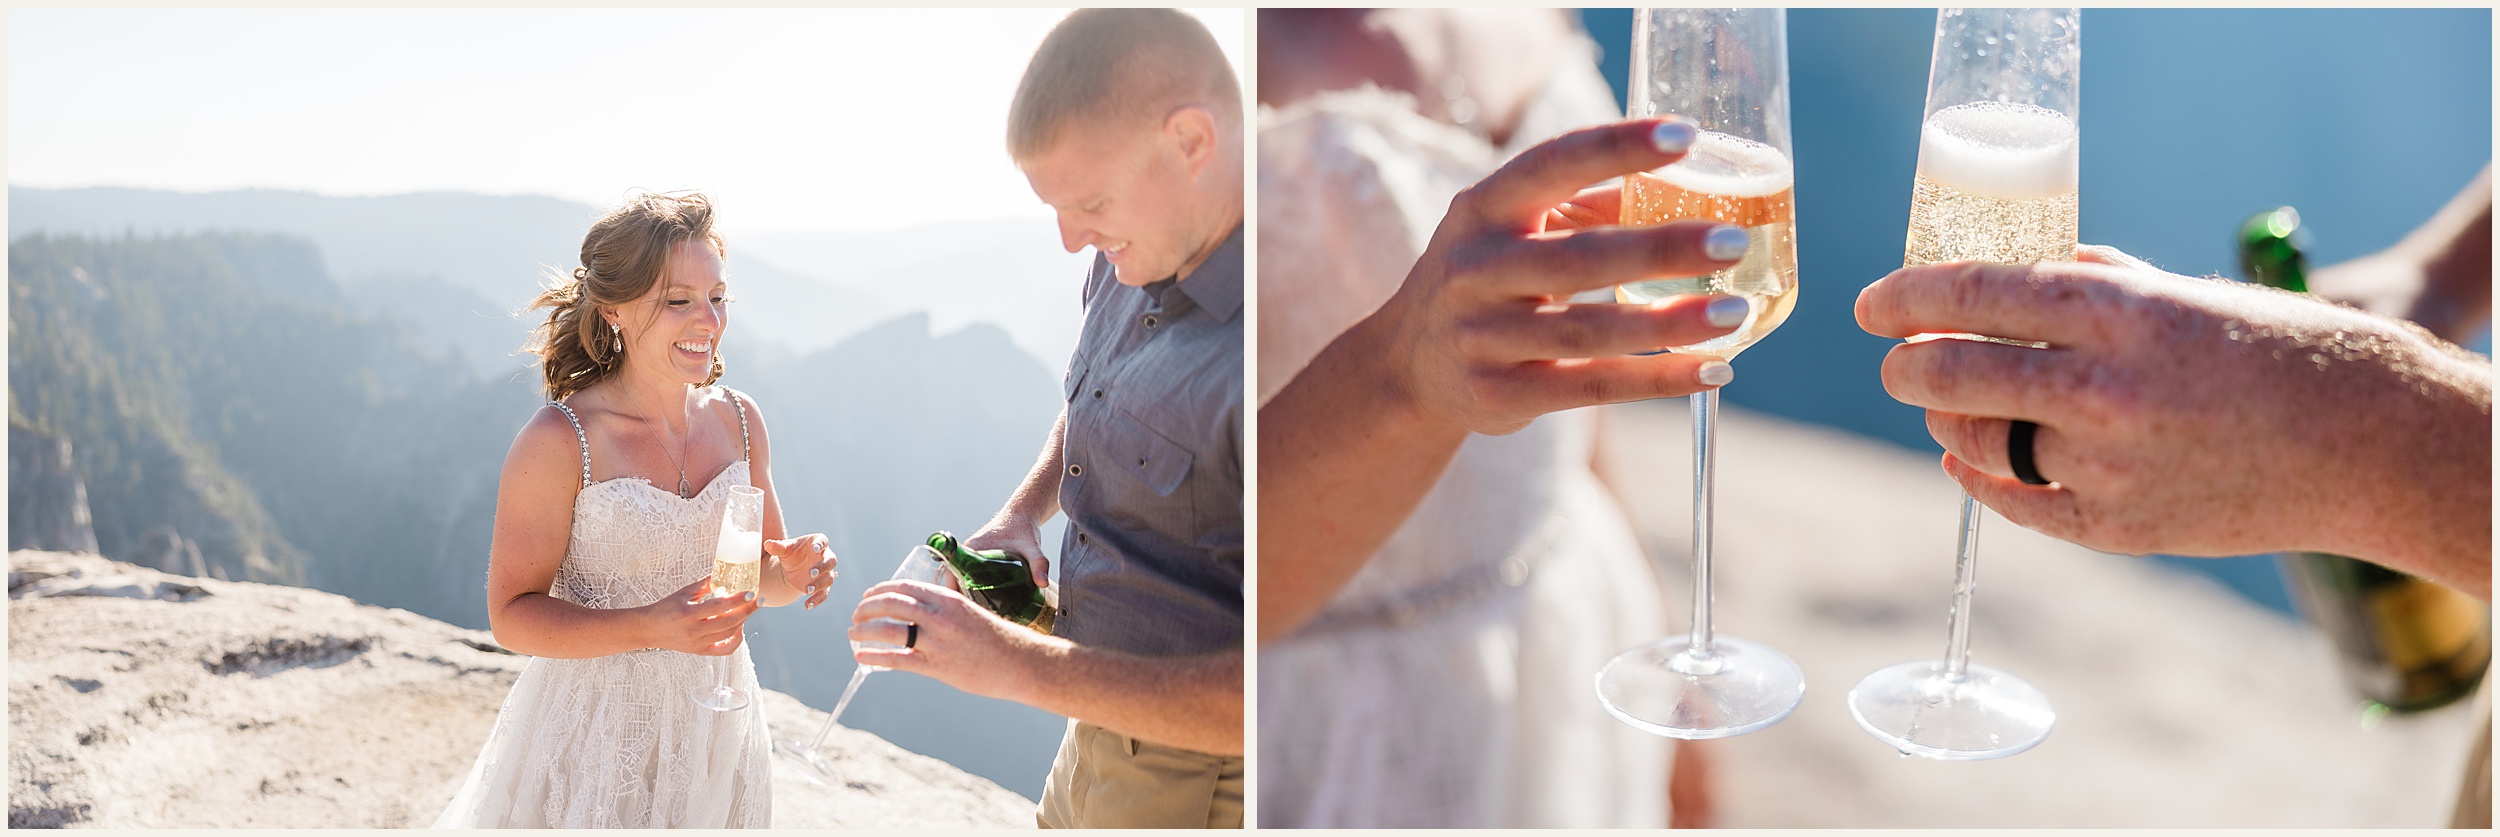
(217, 386)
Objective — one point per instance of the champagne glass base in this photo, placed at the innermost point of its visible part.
(1986, 714)
(1665, 689)
(814, 765)
(721, 699)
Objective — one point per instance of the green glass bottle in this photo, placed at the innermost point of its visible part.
(999, 581)
(2406, 644)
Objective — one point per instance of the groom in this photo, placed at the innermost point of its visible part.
(1128, 124)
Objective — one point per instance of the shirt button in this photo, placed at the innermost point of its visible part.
(1075, 470)
(1097, 395)
(1150, 321)
(1081, 538)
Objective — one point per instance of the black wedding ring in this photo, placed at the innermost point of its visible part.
(2018, 453)
(911, 634)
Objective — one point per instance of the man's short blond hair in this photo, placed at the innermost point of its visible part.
(1119, 65)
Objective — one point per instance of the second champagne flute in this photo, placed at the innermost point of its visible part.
(921, 564)
(1727, 71)
(737, 567)
(1998, 167)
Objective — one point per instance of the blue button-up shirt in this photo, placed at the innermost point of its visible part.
(1152, 472)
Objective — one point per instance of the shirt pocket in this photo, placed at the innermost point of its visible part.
(1074, 381)
(1147, 455)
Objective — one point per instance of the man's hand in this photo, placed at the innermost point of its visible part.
(1017, 527)
(1192, 702)
(1019, 537)
(959, 643)
(2197, 417)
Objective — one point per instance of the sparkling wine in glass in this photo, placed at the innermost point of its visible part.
(737, 567)
(921, 564)
(1727, 71)
(1998, 168)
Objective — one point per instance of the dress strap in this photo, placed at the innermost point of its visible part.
(746, 444)
(578, 436)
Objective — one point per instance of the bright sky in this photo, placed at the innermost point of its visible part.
(848, 119)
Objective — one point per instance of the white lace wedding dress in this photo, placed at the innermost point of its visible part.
(1449, 683)
(617, 741)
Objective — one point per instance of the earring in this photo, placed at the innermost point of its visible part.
(619, 344)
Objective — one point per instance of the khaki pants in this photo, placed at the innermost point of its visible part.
(1103, 779)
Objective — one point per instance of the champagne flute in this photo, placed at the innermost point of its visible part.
(1998, 168)
(1727, 70)
(921, 564)
(737, 565)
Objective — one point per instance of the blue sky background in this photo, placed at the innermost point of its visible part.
(2366, 120)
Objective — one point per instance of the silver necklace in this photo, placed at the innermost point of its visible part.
(685, 487)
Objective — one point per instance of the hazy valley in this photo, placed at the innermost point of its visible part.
(318, 391)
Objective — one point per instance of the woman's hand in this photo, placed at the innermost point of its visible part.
(806, 564)
(1480, 337)
(692, 622)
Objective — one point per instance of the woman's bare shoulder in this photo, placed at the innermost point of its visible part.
(721, 398)
(549, 437)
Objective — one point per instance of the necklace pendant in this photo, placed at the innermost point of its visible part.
(685, 490)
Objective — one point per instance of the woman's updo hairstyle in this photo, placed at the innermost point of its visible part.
(622, 258)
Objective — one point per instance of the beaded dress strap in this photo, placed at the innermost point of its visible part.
(579, 436)
(746, 445)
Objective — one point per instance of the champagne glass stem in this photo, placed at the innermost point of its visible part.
(1705, 456)
(857, 675)
(1965, 579)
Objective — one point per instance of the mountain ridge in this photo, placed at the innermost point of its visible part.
(459, 266)
(217, 401)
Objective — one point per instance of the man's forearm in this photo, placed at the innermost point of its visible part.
(1036, 499)
(1343, 459)
(2435, 521)
(1191, 702)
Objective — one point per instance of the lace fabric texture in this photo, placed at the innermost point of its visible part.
(1447, 685)
(617, 741)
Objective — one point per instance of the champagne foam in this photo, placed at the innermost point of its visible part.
(1729, 166)
(740, 548)
(2001, 150)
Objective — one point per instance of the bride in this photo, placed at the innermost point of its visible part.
(605, 519)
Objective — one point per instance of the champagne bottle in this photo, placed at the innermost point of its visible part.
(999, 581)
(2405, 643)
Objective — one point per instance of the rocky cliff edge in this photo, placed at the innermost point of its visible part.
(143, 699)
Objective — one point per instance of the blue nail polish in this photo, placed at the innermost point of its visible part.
(1716, 373)
(1727, 312)
(1726, 242)
(1673, 137)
